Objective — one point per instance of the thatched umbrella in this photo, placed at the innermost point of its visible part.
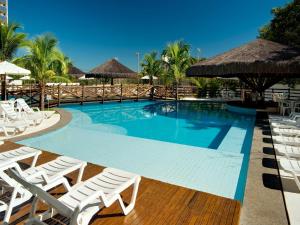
(259, 64)
(75, 72)
(112, 69)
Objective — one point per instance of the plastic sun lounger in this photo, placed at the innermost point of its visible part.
(19, 154)
(16, 126)
(46, 176)
(11, 115)
(85, 199)
(29, 112)
(287, 150)
(286, 131)
(291, 166)
(292, 117)
(286, 123)
(287, 140)
(22, 106)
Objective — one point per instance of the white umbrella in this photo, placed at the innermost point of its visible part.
(148, 77)
(9, 78)
(12, 69)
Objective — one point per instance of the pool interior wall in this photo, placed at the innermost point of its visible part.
(221, 170)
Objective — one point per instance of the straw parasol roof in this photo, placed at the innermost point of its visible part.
(112, 69)
(75, 72)
(261, 58)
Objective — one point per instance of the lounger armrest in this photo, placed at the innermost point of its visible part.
(37, 173)
(90, 198)
(36, 109)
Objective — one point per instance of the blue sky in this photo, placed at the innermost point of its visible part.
(93, 31)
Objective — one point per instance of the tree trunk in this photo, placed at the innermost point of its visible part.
(42, 96)
(3, 87)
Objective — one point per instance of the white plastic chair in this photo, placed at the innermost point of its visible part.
(291, 166)
(286, 131)
(286, 107)
(291, 117)
(46, 176)
(22, 106)
(81, 203)
(19, 154)
(11, 115)
(295, 141)
(287, 150)
(15, 126)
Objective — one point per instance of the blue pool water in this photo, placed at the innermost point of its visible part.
(192, 144)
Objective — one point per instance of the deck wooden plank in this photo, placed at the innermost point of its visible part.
(158, 203)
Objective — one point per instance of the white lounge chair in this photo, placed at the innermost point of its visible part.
(293, 116)
(286, 131)
(287, 150)
(46, 176)
(81, 203)
(291, 166)
(13, 126)
(22, 106)
(295, 141)
(11, 115)
(19, 154)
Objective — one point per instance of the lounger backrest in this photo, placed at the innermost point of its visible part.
(41, 194)
(20, 153)
(8, 110)
(22, 105)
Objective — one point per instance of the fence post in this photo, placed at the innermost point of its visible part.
(137, 92)
(102, 93)
(166, 90)
(121, 94)
(176, 91)
(289, 93)
(152, 92)
(58, 95)
(82, 95)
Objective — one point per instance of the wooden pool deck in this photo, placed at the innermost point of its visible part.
(157, 203)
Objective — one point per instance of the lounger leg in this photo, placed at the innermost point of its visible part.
(80, 173)
(33, 207)
(35, 158)
(66, 185)
(5, 131)
(130, 207)
(10, 205)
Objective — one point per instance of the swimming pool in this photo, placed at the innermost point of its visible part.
(192, 144)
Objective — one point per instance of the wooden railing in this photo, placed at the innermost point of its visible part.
(58, 94)
(55, 95)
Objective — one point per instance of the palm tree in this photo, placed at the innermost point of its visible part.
(152, 66)
(45, 61)
(10, 40)
(177, 59)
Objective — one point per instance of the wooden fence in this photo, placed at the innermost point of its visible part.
(58, 94)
